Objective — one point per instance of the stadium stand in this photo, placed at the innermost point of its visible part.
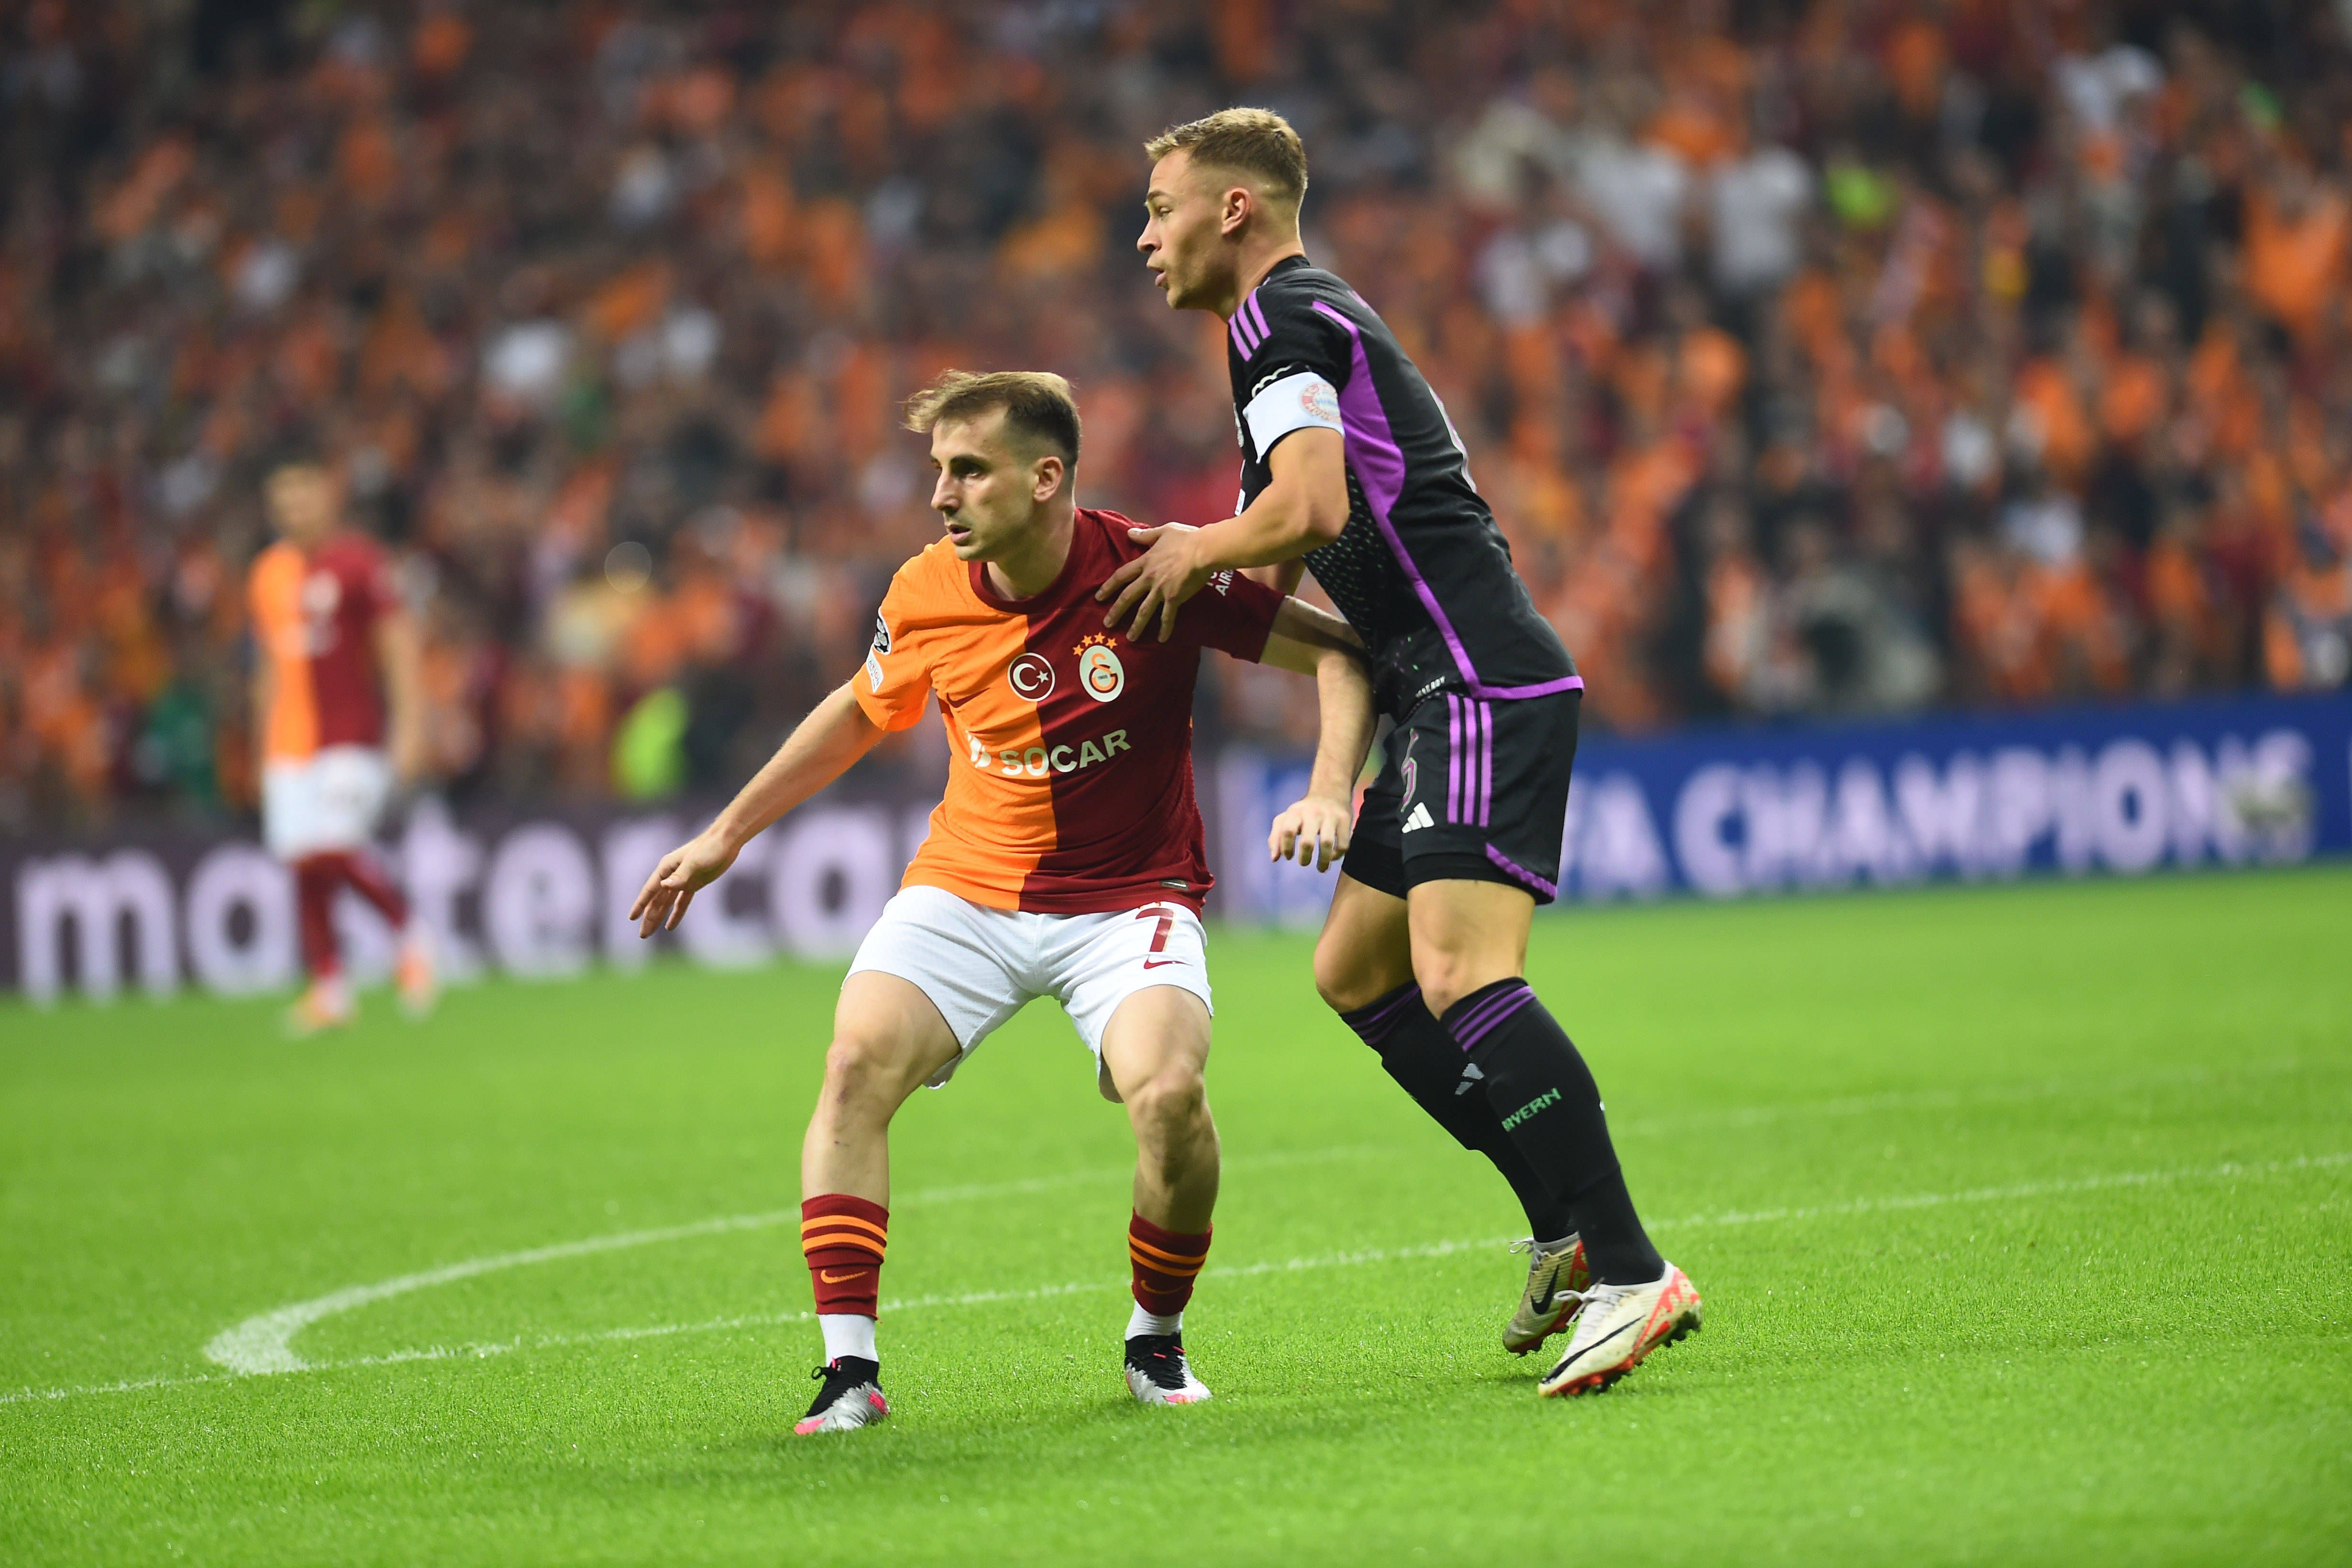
(1818, 358)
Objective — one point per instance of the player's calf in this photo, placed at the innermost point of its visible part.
(1156, 1047)
(1176, 1172)
(887, 1038)
(1176, 1152)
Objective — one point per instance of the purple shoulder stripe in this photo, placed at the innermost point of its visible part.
(1378, 463)
(1245, 337)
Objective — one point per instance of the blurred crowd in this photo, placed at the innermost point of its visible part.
(1835, 357)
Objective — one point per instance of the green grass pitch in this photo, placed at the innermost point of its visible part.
(2020, 1214)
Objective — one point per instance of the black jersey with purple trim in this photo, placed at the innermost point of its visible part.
(1422, 571)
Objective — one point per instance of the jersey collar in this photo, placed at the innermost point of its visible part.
(1046, 597)
(1287, 263)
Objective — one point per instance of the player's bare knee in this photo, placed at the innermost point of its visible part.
(1333, 979)
(1169, 1109)
(1343, 979)
(858, 1075)
(1446, 979)
(1438, 998)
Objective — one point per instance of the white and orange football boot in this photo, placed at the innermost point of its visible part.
(851, 1397)
(1557, 1278)
(414, 976)
(1158, 1374)
(1619, 1325)
(325, 1003)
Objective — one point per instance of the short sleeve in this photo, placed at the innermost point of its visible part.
(894, 680)
(1294, 361)
(1233, 615)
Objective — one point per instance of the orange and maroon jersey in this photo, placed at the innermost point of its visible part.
(314, 615)
(1071, 788)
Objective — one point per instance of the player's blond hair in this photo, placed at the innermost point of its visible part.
(1256, 142)
(1038, 403)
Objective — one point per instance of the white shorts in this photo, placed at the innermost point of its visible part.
(327, 802)
(980, 966)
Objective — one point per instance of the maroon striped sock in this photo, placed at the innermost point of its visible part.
(1165, 1264)
(843, 1239)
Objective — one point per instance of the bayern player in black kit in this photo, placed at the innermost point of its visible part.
(1351, 469)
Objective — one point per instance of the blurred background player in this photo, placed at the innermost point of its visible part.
(1353, 467)
(1066, 860)
(336, 682)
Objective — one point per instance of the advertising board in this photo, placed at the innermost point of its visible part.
(1714, 813)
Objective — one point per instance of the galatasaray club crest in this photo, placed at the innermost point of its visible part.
(1100, 675)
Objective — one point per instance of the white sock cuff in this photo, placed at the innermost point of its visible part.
(1142, 1322)
(847, 1333)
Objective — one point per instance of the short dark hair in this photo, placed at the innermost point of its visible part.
(1252, 141)
(298, 446)
(1036, 403)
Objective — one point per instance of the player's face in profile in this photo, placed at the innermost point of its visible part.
(303, 501)
(986, 488)
(1181, 240)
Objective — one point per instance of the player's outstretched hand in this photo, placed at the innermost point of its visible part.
(1313, 831)
(683, 872)
(1155, 583)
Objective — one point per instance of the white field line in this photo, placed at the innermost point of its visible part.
(2221, 1173)
(2229, 1171)
(264, 1343)
(1678, 1122)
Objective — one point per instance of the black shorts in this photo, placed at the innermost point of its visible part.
(1470, 790)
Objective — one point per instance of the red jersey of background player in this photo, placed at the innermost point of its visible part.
(316, 614)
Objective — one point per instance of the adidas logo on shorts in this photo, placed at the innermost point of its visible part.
(1420, 818)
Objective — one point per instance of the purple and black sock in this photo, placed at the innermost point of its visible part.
(1422, 1056)
(1544, 1100)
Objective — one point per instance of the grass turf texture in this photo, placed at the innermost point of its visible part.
(2098, 1343)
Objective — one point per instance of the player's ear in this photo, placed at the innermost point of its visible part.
(1239, 202)
(1048, 476)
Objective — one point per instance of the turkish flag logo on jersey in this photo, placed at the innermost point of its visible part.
(1031, 675)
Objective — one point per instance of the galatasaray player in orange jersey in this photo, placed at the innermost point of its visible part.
(337, 694)
(1066, 860)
